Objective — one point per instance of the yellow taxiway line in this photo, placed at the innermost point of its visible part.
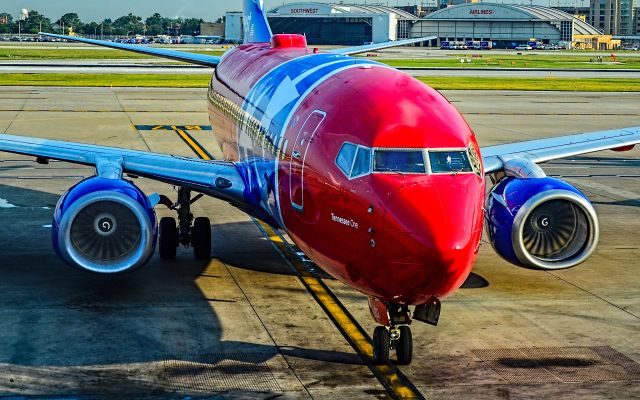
(396, 384)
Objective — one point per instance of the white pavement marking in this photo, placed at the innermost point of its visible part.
(5, 204)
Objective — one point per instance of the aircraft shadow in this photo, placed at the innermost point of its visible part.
(53, 317)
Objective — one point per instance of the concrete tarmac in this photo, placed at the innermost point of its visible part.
(154, 67)
(243, 325)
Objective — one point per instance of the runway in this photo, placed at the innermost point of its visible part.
(245, 324)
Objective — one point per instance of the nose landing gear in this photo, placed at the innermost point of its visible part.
(188, 232)
(389, 338)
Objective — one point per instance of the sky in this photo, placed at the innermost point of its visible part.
(93, 10)
(209, 10)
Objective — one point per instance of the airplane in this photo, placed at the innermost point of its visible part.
(374, 175)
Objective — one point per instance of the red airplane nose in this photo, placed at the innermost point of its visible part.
(432, 231)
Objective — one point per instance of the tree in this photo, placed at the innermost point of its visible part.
(128, 25)
(92, 28)
(191, 26)
(35, 22)
(107, 26)
(6, 23)
(70, 20)
(155, 25)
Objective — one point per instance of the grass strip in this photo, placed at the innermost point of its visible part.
(80, 54)
(437, 82)
(534, 84)
(106, 80)
(515, 61)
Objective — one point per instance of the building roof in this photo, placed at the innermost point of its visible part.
(512, 12)
(341, 8)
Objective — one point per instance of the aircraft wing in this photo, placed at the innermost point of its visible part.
(349, 51)
(192, 58)
(216, 178)
(542, 150)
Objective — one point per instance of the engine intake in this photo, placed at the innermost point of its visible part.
(106, 226)
(541, 223)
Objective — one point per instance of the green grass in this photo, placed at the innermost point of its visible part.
(106, 80)
(527, 60)
(441, 83)
(515, 61)
(78, 54)
(540, 84)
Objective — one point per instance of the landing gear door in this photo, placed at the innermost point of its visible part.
(298, 155)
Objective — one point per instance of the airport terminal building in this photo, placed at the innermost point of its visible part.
(506, 25)
(342, 24)
(334, 24)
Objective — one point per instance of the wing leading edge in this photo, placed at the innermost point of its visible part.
(542, 150)
(215, 178)
(192, 58)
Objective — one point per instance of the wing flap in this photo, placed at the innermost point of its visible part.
(192, 58)
(349, 51)
(199, 175)
(542, 150)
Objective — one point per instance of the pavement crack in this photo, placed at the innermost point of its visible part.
(21, 109)
(132, 124)
(594, 295)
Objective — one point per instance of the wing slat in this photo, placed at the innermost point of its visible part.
(193, 173)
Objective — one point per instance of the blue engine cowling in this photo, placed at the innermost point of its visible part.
(104, 225)
(541, 223)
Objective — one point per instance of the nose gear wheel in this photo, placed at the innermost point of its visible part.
(381, 343)
(404, 346)
(398, 338)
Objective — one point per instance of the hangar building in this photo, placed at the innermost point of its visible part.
(341, 24)
(506, 25)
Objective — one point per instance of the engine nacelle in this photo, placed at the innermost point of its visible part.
(104, 225)
(541, 223)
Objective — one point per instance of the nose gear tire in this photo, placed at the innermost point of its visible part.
(404, 346)
(381, 343)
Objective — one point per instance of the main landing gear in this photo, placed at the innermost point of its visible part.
(188, 231)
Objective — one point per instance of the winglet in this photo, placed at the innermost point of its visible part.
(256, 26)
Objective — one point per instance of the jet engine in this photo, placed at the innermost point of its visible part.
(541, 223)
(106, 226)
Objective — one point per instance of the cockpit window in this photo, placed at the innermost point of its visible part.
(345, 157)
(354, 160)
(449, 161)
(362, 165)
(404, 161)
